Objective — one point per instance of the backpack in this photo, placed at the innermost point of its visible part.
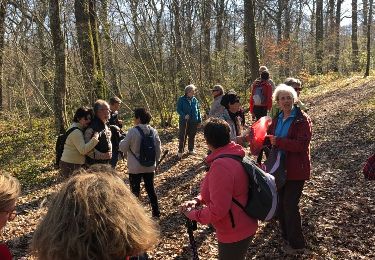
(258, 95)
(262, 196)
(60, 142)
(147, 151)
(275, 165)
(369, 168)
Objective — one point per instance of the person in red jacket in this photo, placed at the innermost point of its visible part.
(225, 180)
(261, 96)
(291, 132)
(10, 190)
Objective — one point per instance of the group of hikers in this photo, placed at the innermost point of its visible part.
(94, 215)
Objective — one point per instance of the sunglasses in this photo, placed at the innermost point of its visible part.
(297, 89)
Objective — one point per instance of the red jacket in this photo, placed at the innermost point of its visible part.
(225, 180)
(267, 92)
(4, 252)
(296, 146)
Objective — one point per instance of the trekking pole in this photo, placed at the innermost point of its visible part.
(184, 141)
(161, 159)
(191, 226)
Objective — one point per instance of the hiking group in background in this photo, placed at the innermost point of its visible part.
(96, 137)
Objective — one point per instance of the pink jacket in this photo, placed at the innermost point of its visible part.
(225, 180)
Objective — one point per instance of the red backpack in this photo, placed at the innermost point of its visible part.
(369, 168)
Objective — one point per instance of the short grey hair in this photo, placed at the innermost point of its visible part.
(189, 88)
(284, 88)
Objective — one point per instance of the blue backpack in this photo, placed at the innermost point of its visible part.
(147, 152)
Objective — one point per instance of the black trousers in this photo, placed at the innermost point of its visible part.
(187, 130)
(234, 251)
(148, 179)
(259, 112)
(289, 215)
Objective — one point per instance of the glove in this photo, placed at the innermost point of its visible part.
(187, 117)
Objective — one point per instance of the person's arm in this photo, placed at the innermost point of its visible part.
(269, 96)
(301, 143)
(221, 186)
(124, 145)
(180, 109)
(199, 112)
(157, 146)
(78, 141)
(251, 101)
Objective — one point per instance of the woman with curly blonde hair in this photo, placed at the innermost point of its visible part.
(10, 190)
(94, 216)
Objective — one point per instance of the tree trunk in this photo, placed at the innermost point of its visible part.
(220, 12)
(250, 36)
(206, 29)
(287, 10)
(335, 65)
(87, 33)
(367, 73)
(60, 65)
(43, 12)
(355, 51)
(2, 32)
(319, 36)
(365, 15)
(110, 67)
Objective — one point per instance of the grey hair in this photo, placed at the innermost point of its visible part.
(284, 88)
(189, 88)
(99, 104)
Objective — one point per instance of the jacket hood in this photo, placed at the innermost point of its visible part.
(231, 148)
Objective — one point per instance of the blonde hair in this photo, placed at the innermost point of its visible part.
(10, 190)
(284, 88)
(94, 216)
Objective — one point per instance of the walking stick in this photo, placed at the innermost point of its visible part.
(161, 159)
(184, 141)
(191, 226)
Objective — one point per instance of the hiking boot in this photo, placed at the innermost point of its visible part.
(179, 155)
(293, 251)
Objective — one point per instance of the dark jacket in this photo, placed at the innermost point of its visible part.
(296, 146)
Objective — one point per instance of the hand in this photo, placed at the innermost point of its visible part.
(96, 135)
(188, 205)
(108, 155)
(240, 140)
(272, 139)
(187, 117)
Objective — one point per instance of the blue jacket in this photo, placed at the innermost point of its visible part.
(189, 107)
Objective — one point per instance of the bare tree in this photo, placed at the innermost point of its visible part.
(60, 64)
(319, 36)
(368, 60)
(2, 32)
(250, 36)
(355, 49)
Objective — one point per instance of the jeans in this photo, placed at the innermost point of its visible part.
(135, 186)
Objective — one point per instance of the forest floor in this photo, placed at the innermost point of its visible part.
(337, 206)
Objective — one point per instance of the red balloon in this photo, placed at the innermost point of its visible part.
(257, 134)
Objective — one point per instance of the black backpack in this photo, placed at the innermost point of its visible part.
(147, 152)
(262, 197)
(60, 142)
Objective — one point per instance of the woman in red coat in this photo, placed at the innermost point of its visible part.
(291, 133)
(225, 180)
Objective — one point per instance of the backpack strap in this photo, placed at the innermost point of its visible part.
(71, 130)
(143, 136)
